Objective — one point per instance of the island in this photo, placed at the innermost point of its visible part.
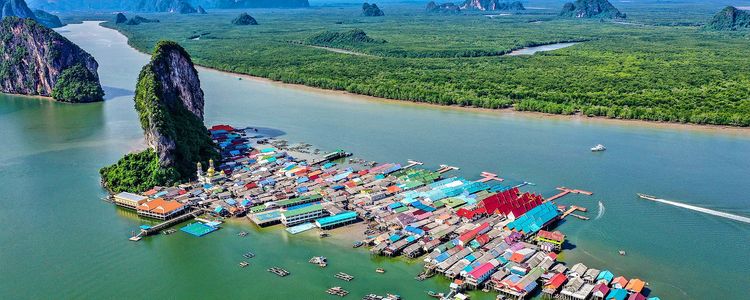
(244, 19)
(371, 10)
(172, 6)
(169, 102)
(492, 5)
(39, 61)
(18, 8)
(448, 7)
(591, 9)
(730, 19)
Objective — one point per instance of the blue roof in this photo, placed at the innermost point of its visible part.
(231, 201)
(617, 294)
(533, 220)
(218, 209)
(338, 218)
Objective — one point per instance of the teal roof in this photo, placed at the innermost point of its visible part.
(533, 220)
(335, 219)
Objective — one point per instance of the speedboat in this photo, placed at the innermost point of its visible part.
(598, 148)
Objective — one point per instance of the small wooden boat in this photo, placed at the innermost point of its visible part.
(357, 244)
(435, 295)
(242, 234)
(622, 252)
(244, 264)
(380, 270)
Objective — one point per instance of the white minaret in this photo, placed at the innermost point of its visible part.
(200, 170)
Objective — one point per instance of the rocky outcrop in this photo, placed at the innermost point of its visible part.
(120, 5)
(120, 18)
(169, 102)
(172, 6)
(138, 20)
(448, 8)
(201, 10)
(730, 19)
(47, 19)
(18, 8)
(371, 10)
(244, 19)
(491, 5)
(600, 9)
(38, 61)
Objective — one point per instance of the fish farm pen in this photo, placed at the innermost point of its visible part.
(481, 234)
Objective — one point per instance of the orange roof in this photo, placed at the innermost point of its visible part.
(149, 192)
(620, 280)
(393, 189)
(160, 206)
(635, 285)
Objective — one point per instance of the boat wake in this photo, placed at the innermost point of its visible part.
(602, 209)
(698, 209)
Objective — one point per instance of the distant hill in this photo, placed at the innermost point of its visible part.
(449, 7)
(18, 8)
(172, 6)
(138, 5)
(591, 9)
(244, 19)
(730, 19)
(371, 10)
(492, 5)
(342, 39)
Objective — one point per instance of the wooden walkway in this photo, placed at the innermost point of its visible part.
(564, 191)
(487, 176)
(164, 225)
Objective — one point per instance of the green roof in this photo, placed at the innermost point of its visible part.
(299, 200)
(304, 210)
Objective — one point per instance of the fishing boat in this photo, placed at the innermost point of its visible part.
(357, 244)
(435, 295)
(321, 261)
(622, 252)
(380, 270)
(324, 234)
(598, 148)
(242, 234)
(244, 264)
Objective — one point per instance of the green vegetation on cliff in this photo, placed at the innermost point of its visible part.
(77, 84)
(591, 9)
(137, 172)
(729, 19)
(176, 135)
(371, 10)
(244, 19)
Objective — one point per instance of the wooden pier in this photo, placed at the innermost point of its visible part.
(164, 225)
(487, 176)
(413, 163)
(571, 211)
(564, 191)
(446, 168)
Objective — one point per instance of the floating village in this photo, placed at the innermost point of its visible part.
(481, 234)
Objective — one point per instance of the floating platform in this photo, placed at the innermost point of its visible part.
(300, 228)
(198, 229)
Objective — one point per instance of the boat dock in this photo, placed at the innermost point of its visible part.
(278, 271)
(571, 211)
(343, 276)
(413, 163)
(487, 176)
(164, 225)
(446, 168)
(564, 191)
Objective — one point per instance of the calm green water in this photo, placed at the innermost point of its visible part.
(60, 241)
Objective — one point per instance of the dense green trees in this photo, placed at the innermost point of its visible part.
(76, 84)
(137, 172)
(659, 73)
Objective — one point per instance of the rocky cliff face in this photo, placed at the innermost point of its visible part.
(730, 19)
(169, 102)
(244, 19)
(18, 8)
(492, 5)
(591, 9)
(38, 61)
(371, 10)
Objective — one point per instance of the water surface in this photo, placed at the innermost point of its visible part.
(60, 239)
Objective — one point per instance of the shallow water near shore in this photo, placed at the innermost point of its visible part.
(60, 239)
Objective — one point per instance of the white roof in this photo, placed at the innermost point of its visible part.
(131, 196)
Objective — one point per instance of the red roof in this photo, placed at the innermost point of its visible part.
(511, 201)
(556, 281)
(482, 270)
(222, 127)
